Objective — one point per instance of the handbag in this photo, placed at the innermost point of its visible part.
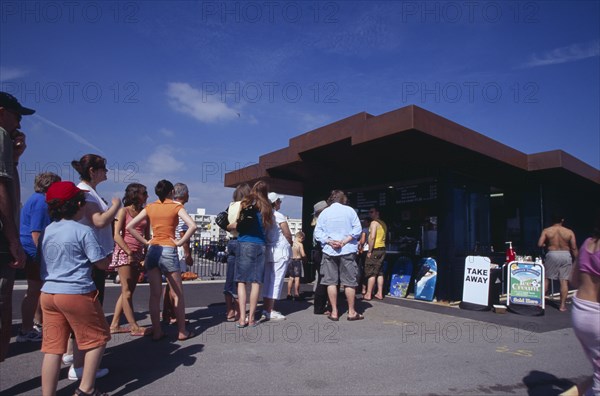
(246, 219)
(222, 219)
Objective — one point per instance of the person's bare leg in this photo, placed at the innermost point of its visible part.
(370, 284)
(254, 293)
(92, 358)
(564, 292)
(242, 302)
(155, 280)
(50, 373)
(174, 280)
(297, 286)
(30, 304)
(231, 304)
(332, 292)
(350, 292)
(379, 293)
(268, 304)
(114, 324)
(128, 285)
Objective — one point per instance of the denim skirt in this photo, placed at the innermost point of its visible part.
(250, 262)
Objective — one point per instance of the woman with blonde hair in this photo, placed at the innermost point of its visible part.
(254, 221)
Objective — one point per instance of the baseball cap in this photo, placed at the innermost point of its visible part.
(11, 103)
(274, 197)
(62, 191)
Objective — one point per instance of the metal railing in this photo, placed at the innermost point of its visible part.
(210, 258)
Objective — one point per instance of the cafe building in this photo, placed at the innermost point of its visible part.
(445, 191)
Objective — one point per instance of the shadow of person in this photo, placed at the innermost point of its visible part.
(134, 364)
(544, 384)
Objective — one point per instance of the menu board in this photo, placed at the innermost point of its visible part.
(416, 193)
(370, 199)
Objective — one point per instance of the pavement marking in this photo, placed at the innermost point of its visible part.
(516, 352)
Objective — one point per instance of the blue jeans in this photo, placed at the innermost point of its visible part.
(230, 286)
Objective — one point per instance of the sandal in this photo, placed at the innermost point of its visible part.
(356, 317)
(241, 326)
(190, 334)
(333, 318)
(141, 332)
(120, 329)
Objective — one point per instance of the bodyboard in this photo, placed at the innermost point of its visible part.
(425, 279)
(401, 276)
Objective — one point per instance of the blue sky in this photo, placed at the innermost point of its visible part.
(190, 90)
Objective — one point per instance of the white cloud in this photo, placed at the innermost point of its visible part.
(166, 132)
(196, 103)
(571, 53)
(163, 161)
(11, 73)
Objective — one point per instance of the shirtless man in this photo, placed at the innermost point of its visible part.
(562, 252)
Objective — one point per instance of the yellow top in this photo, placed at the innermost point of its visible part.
(380, 235)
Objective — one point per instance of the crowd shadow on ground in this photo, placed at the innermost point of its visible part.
(134, 362)
(142, 361)
(539, 383)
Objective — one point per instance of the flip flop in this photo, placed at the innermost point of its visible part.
(356, 317)
(142, 332)
(120, 329)
(190, 334)
(241, 326)
(379, 298)
(332, 318)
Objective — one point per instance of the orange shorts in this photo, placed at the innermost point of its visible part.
(80, 313)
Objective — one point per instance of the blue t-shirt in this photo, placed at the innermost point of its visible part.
(256, 234)
(68, 250)
(34, 217)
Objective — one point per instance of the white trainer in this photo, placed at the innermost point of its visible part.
(76, 373)
(274, 315)
(67, 359)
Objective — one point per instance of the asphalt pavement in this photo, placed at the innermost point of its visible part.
(402, 347)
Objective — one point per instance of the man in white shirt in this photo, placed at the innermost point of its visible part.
(338, 229)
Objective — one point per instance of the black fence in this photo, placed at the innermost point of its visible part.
(210, 258)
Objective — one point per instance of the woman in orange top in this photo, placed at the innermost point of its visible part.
(162, 255)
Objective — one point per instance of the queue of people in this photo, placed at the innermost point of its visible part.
(68, 236)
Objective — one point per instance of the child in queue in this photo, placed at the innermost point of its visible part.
(69, 299)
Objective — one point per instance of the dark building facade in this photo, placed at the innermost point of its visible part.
(444, 190)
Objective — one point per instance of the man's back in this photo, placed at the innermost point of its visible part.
(558, 237)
